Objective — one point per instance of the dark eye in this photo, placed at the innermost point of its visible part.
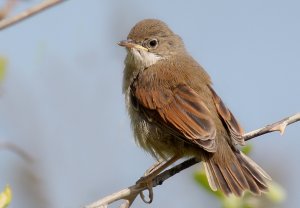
(152, 43)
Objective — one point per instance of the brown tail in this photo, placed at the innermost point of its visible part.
(237, 175)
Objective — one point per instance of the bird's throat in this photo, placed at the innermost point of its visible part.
(143, 59)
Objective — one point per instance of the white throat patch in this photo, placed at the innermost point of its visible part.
(144, 58)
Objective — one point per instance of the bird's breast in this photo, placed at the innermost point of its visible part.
(147, 134)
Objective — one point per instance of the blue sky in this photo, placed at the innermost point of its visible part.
(61, 99)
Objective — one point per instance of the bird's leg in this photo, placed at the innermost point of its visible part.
(151, 173)
(156, 165)
(157, 168)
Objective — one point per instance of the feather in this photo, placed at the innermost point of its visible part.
(235, 130)
(181, 110)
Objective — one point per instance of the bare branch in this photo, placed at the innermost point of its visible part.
(277, 126)
(129, 194)
(14, 148)
(6, 9)
(28, 13)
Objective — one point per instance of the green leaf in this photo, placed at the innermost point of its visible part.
(233, 202)
(247, 149)
(276, 193)
(201, 179)
(5, 197)
(3, 64)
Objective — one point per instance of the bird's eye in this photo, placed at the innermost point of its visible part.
(152, 43)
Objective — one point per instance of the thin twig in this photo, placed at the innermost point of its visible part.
(6, 9)
(16, 149)
(129, 194)
(277, 126)
(28, 13)
(132, 191)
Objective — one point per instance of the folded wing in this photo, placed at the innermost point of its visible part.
(181, 110)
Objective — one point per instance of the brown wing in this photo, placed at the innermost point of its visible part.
(181, 111)
(235, 130)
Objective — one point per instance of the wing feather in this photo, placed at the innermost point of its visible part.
(235, 130)
(181, 110)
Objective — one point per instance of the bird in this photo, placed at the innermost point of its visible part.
(175, 113)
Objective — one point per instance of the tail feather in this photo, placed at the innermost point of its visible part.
(210, 176)
(236, 171)
(253, 186)
(255, 171)
(252, 165)
(262, 187)
(219, 178)
(231, 181)
(236, 176)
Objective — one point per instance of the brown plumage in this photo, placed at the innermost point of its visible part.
(175, 111)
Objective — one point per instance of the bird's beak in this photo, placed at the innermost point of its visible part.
(130, 44)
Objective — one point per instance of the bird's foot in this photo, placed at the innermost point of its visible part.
(146, 181)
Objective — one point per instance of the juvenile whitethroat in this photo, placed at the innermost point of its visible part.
(175, 112)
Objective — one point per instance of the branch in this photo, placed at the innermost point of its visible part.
(16, 149)
(8, 6)
(277, 126)
(28, 13)
(129, 194)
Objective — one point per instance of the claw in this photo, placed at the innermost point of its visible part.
(146, 182)
(150, 194)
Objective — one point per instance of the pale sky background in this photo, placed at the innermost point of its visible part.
(62, 103)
